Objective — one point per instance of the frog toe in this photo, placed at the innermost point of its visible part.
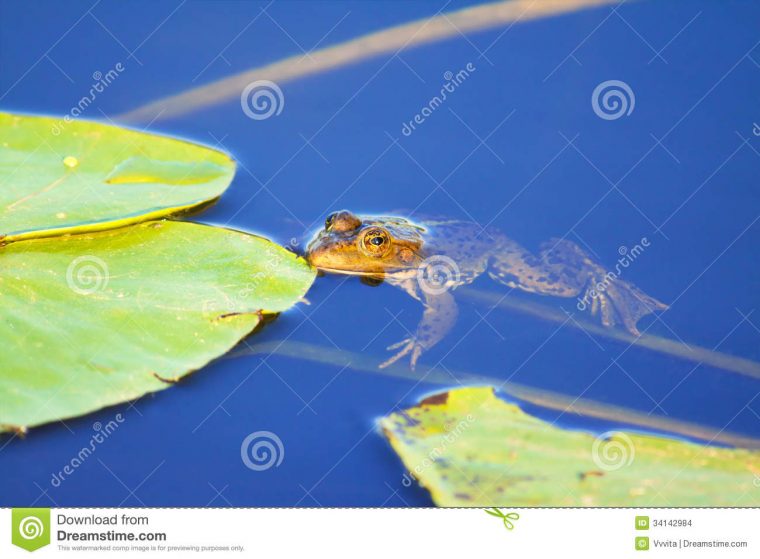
(416, 352)
(607, 311)
(407, 345)
(397, 345)
(625, 304)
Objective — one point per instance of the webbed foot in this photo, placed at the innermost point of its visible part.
(564, 269)
(407, 345)
(605, 294)
(618, 301)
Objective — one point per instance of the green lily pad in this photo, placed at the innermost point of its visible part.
(470, 448)
(95, 319)
(64, 177)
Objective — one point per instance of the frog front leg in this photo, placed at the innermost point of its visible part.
(438, 318)
(563, 269)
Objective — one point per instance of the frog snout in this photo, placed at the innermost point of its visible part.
(318, 250)
(313, 250)
(325, 251)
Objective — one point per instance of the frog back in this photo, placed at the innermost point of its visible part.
(463, 246)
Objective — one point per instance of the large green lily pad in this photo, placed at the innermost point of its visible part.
(470, 448)
(100, 318)
(63, 177)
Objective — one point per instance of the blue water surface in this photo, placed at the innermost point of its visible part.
(518, 144)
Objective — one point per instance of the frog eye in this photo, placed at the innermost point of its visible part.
(330, 219)
(376, 242)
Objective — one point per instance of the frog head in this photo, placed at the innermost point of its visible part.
(366, 245)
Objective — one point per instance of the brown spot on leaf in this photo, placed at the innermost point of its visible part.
(435, 399)
(18, 430)
(167, 380)
(231, 314)
(593, 473)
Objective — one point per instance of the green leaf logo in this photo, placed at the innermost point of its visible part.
(30, 528)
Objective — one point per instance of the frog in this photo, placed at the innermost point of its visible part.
(430, 257)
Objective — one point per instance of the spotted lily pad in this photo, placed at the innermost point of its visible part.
(95, 319)
(469, 447)
(70, 176)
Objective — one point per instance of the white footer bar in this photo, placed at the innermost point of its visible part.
(380, 533)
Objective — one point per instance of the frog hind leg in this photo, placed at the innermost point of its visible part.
(438, 318)
(563, 269)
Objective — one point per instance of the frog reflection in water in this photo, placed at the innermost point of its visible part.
(429, 258)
